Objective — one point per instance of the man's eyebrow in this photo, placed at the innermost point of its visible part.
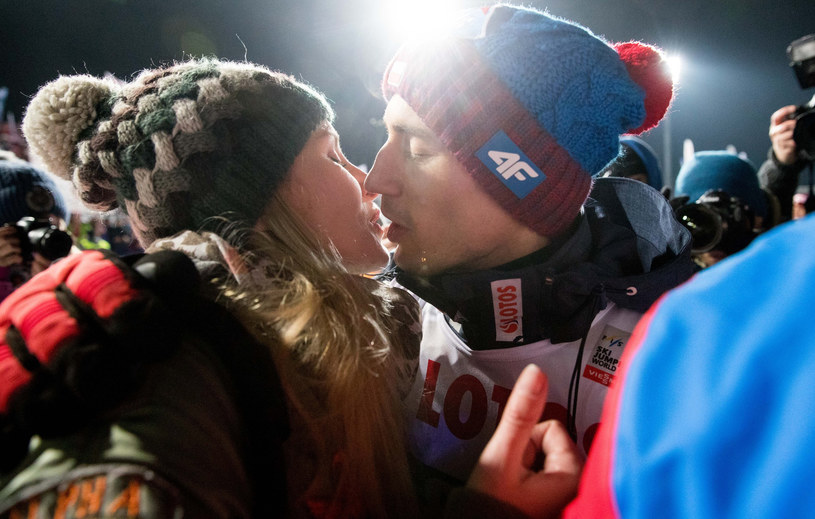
(412, 131)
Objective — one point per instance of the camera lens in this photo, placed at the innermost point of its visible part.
(50, 242)
(704, 224)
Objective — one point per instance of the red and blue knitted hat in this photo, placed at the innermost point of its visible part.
(533, 106)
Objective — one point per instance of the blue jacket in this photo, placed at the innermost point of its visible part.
(712, 415)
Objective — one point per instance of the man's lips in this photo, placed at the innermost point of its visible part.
(396, 232)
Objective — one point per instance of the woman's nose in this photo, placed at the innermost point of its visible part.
(361, 177)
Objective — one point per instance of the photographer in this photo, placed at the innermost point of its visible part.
(32, 212)
(719, 200)
(791, 133)
(636, 160)
(781, 171)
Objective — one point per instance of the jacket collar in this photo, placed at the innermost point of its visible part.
(626, 246)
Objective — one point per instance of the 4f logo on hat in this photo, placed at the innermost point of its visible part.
(506, 160)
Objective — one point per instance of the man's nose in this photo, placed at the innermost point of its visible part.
(383, 177)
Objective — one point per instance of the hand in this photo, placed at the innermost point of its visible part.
(39, 263)
(781, 130)
(10, 252)
(505, 470)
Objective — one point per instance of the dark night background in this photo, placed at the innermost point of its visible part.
(734, 74)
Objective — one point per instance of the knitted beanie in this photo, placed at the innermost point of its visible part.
(197, 145)
(648, 158)
(636, 158)
(721, 170)
(532, 107)
(27, 191)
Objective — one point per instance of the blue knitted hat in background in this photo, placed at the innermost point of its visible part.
(721, 170)
(27, 191)
(532, 107)
(636, 160)
(648, 158)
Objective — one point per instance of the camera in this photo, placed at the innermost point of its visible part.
(41, 236)
(801, 54)
(717, 221)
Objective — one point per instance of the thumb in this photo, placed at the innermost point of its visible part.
(522, 412)
(781, 115)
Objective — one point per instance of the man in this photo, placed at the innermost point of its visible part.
(26, 191)
(791, 133)
(637, 160)
(719, 200)
(485, 176)
(780, 173)
(711, 416)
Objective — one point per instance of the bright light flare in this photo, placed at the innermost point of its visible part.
(675, 65)
(410, 19)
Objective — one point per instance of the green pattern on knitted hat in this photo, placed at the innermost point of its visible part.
(138, 156)
(162, 119)
(186, 146)
(180, 89)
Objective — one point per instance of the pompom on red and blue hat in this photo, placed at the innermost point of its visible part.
(533, 106)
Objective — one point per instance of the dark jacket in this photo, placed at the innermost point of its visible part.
(782, 181)
(166, 406)
(626, 246)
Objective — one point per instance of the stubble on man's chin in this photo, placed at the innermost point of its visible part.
(416, 264)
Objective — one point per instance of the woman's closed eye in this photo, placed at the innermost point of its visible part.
(340, 162)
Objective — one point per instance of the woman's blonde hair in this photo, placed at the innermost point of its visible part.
(342, 361)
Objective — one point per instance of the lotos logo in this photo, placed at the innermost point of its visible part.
(509, 326)
(506, 160)
(507, 305)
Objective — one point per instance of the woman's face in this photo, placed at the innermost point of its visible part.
(325, 190)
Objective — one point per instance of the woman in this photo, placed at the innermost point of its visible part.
(240, 168)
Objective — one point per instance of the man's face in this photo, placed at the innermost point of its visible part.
(441, 219)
